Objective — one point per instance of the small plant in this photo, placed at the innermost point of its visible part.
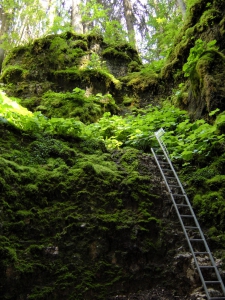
(195, 53)
(95, 62)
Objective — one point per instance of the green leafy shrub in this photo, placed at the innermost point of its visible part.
(195, 53)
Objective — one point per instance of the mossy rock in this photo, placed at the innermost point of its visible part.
(115, 54)
(14, 74)
(80, 210)
(208, 19)
(207, 84)
(64, 60)
(140, 81)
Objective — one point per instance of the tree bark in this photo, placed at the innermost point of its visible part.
(130, 19)
(76, 20)
(4, 18)
(182, 6)
(51, 10)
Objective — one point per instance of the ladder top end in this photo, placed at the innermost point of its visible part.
(160, 132)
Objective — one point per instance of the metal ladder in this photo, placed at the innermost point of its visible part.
(204, 261)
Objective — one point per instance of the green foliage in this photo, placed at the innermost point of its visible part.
(14, 74)
(78, 203)
(77, 105)
(164, 19)
(95, 14)
(134, 130)
(185, 140)
(143, 79)
(93, 11)
(96, 63)
(220, 122)
(60, 24)
(114, 33)
(195, 53)
(21, 118)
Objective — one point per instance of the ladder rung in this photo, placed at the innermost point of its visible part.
(169, 174)
(169, 177)
(216, 298)
(191, 227)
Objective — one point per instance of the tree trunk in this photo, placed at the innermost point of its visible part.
(4, 28)
(76, 20)
(130, 19)
(182, 6)
(2, 53)
(51, 11)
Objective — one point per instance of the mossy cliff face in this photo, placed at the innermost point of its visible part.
(45, 74)
(64, 63)
(80, 223)
(207, 91)
(204, 88)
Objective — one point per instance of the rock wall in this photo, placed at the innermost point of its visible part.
(80, 223)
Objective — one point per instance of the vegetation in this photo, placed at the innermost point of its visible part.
(84, 213)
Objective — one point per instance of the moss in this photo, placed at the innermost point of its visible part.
(134, 67)
(76, 105)
(216, 183)
(88, 76)
(208, 18)
(85, 205)
(130, 102)
(211, 205)
(80, 44)
(114, 53)
(123, 52)
(206, 81)
(13, 74)
(201, 22)
(141, 81)
(220, 122)
(207, 188)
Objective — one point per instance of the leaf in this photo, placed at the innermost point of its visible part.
(187, 155)
(212, 113)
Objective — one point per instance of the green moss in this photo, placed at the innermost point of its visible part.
(209, 206)
(80, 44)
(208, 18)
(76, 105)
(141, 80)
(207, 188)
(216, 182)
(220, 121)
(207, 79)
(78, 202)
(122, 52)
(134, 67)
(114, 53)
(13, 74)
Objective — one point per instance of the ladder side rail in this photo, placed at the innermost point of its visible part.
(163, 147)
(183, 227)
(192, 250)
